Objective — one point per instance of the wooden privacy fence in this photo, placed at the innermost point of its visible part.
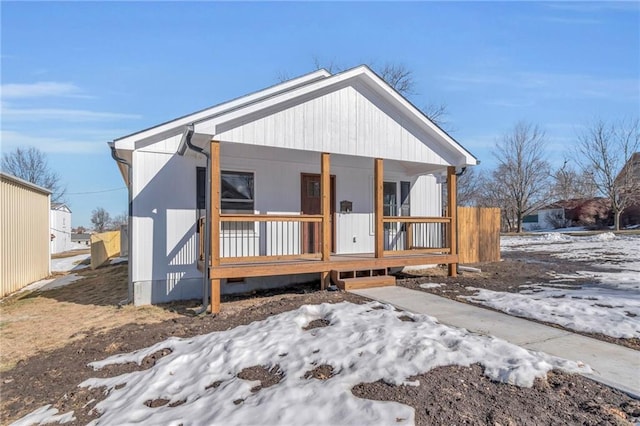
(104, 246)
(478, 234)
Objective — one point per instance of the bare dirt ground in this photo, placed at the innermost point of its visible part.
(48, 338)
(509, 275)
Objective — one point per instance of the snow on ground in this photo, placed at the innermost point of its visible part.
(72, 263)
(589, 309)
(604, 250)
(78, 246)
(363, 343)
(44, 415)
(50, 284)
(609, 303)
(116, 260)
(432, 285)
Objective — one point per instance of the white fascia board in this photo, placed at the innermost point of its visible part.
(421, 119)
(226, 121)
(175, 127)
(61, 208)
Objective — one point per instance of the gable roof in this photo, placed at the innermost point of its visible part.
(60, 207)
(178, 124)
(222, 119)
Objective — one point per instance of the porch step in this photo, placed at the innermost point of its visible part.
(353, 280)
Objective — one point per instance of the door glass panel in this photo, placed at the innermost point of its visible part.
(405, 199)
(389, 199)
(313, 189)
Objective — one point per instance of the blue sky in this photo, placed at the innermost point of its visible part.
(76, 75)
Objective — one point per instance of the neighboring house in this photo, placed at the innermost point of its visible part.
(589, 212)
(629, 178)
(24, 233)
(84, 238)
(630, 171)
(345, 154)
(60, 228)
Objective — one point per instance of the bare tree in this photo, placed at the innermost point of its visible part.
(523, 172)
(469, 187)
(119, 220)
(332, 66)
(437, 114)
(492, 193)
(101, 219)
(283, 76)
(569, 183)
(396, 75)
(604, 148)
(399, 77)
(79, 230)
(31, 165)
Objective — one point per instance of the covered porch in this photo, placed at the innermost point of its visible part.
(239, 245)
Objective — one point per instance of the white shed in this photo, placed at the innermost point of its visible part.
(293, 176)
(60, 228)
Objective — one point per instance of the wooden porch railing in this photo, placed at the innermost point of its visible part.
(265, 237)
(253, 233)
(413, 234)
(261, 237)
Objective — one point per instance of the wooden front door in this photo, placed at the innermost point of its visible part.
(311, 203)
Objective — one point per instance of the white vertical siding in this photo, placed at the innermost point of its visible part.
(61, 229)
(164, 217)
(24, 235)
(351, 121)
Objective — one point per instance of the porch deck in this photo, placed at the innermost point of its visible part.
(267, 267)
(427, 240)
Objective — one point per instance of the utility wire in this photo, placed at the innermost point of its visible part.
(95, 192)
(60, 230)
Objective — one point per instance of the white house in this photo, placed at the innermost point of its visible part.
(60, 221)
(545, 219)
(343, 153)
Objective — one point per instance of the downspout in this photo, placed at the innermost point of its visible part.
(121, 160)
(185, 143)
(458, 174)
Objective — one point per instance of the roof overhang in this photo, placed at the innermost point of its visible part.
(208, 123)
(229, 119)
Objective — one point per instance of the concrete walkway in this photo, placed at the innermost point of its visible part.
(613, 365)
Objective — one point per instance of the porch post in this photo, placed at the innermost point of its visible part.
(325, 190)
(452, 209)
(215, 223)
(378, 185)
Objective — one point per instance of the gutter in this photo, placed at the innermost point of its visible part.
(185, 143)
(121, 160)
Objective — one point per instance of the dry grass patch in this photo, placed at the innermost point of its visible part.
(42, 321)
